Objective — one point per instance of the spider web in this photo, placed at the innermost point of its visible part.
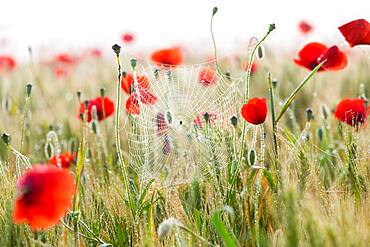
(171, 141)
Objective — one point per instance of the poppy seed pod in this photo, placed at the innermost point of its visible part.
(117, 49)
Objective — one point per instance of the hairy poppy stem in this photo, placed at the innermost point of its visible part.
(247, 84)
(116, 48)
(215, 9)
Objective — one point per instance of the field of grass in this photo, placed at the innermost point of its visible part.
(309, 188)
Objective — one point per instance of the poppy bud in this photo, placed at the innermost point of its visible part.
(29, 89)
(86, 102)
(251, 157)
(6, 138)
(102, 92)
(49, 151)
(234, 121)
(324, 111)
(94, 127)
(271, 27)
(275, 82)
(133, 63)
(215, 9)
(117, 49)
(206, 117)
(320, 134)
(260, 52)
(78, 93)
(309, 114)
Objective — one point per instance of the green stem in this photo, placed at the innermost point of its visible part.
(247, 84)
(25, 110)
(272, 106)
(117, 131)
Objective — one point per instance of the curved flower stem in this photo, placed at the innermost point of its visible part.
(247, 84)
(215, 9)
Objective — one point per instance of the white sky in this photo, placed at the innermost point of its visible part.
(77, 23)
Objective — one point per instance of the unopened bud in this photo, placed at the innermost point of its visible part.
(275, 82)
(234, 121)
(86, 103)
(320, 134)
(260, 52)
(324, 111)
(214, 11)
(102, 92)
(49, 151)
(6, 138)
(29, 89)
(78, 93)
(94, 127)
(252, 157)
(309, 114)
(206, 117)
(133, 63)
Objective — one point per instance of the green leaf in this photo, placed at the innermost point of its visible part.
(222, 231)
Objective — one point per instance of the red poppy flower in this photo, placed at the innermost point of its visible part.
(200, 121)
(255, 111)
(207, 76)
(65, 58)
(95, 52)
(169, 57)
(351, 111)
(7, 64)
(66, 159)
(127, 82)
(127, 38)
(45, 196)
(313, 53)
(356, 32)
(305, 27)
(98, 102)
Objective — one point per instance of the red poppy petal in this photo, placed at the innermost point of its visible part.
(336, 59)
(356, 32)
